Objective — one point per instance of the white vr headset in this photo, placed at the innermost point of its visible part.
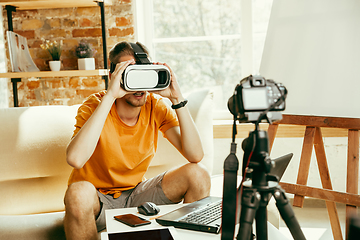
(143, 76)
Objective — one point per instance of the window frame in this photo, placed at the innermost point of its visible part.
(144, 23)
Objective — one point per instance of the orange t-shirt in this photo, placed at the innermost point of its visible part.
(123, 153)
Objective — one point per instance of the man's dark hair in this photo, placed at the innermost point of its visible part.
(123, 49)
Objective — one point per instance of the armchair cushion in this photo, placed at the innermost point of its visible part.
(200, 106)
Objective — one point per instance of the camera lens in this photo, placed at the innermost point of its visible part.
(232, 105)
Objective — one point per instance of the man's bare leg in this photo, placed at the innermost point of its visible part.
(81, 206)
(190, 182)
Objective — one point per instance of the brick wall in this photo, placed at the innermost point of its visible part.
(69, 25)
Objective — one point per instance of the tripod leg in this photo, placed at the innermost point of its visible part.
(249, 204)
(287, 214)
(261, 218)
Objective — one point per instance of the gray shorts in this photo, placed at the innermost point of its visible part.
(147, 191)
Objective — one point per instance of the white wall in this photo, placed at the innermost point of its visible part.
(313, 48)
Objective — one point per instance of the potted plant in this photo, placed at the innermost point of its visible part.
(54, 48)
(85, 54)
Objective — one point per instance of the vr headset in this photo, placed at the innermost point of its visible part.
(143, 76)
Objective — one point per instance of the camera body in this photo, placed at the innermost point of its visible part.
(254, 95)
(144, 75)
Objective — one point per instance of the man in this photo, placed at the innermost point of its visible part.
(113, 143)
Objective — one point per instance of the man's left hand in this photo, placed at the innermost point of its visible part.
(173, 91)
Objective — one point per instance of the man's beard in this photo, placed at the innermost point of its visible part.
(136, 102)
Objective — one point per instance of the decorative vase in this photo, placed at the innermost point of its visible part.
(55, 65)
(86, 63)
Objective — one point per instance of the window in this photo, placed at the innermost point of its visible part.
(208, 43)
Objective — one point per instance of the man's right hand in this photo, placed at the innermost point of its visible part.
(115, 90)
(83, 145)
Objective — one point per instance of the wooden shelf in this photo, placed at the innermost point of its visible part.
(69, 73)
(46, 4)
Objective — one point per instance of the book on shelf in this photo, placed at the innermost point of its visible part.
(20, 57)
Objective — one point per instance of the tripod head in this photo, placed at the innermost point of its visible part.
(256, 161)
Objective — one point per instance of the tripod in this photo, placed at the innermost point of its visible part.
(257, 188)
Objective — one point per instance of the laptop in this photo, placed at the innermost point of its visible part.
(205, 215)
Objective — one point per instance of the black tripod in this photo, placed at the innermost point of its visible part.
(257, 188)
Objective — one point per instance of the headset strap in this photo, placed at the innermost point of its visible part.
(140, 55)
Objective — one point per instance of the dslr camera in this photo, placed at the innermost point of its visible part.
(144, 75)
(256, 95)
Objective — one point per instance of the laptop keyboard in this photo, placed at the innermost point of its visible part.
(205, 215)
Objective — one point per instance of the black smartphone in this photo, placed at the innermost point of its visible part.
(131, 220)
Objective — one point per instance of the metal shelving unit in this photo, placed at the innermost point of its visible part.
(12, 6)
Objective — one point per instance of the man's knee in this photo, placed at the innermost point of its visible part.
(80, 197)
(197, 173)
